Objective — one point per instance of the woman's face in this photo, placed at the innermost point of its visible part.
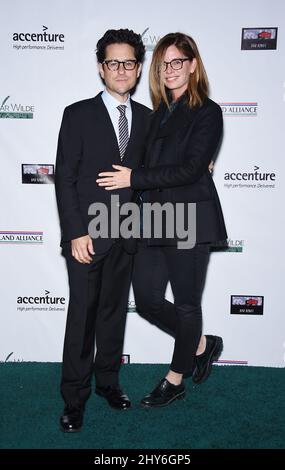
(176, 80)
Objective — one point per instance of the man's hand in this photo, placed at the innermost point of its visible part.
(115, 179)
(81, 249)
(211, 166)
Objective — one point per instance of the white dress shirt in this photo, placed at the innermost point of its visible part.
(111, 104)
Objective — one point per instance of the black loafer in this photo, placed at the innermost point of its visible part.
(115, 397)
(72, 418)
(203, 362)
(163, 394)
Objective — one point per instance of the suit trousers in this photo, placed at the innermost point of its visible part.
(97, 310)
(186, 270)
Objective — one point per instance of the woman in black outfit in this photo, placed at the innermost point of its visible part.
(185, 134)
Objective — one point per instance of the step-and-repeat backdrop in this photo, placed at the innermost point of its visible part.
(47, 62)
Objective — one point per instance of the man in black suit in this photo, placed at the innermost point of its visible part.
(96, 133)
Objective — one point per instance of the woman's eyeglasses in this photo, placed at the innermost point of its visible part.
(175, 64)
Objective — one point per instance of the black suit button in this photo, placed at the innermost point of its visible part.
(159, 190)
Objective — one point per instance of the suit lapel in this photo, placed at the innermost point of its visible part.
(108, 131)
(180, 117)
(153, 132)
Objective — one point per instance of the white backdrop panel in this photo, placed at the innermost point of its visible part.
(48, 79)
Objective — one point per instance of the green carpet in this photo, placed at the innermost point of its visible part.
(236, 408)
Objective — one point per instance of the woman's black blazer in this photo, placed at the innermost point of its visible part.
(176, 162)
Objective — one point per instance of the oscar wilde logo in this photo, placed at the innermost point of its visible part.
(229, 245)
(44, 40)
(7, 359)
(149, 40)
(15, 110)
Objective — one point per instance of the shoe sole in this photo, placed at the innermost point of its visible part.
(213, 357)
(177, 397)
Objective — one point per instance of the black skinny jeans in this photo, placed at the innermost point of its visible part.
(186, 270)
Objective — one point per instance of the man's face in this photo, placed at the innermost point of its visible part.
(119, 82)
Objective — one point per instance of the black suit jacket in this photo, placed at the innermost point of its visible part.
(176, 166)
(87, 145)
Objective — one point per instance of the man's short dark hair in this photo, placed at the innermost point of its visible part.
(120, 36)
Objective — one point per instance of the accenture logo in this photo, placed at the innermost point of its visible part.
(39, 37)
(45, 40)
(252, 179)
(45, 302)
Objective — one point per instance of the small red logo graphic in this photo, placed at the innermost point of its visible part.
(264, 35)
(251, 302)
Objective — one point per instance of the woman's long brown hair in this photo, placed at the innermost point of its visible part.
(198, 82)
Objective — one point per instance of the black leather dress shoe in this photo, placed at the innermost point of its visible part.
(163, 394)
(115, 397)
(72, 418)
(203, 362)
